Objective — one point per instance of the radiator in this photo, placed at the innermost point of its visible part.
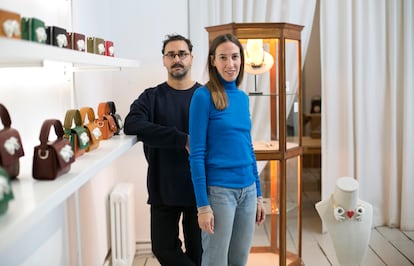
(122, 224)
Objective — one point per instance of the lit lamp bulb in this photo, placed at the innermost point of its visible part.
(257, 60)
(255, 52)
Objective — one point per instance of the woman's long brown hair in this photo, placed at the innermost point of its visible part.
(214, 85)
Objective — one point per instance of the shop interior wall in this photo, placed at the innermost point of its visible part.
(35, 94)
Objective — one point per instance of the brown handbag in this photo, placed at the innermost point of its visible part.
(93, 130)
(9, 24)
(77, 135)
(116, 116)
(105, 121)
(11, 148)
(52, 159)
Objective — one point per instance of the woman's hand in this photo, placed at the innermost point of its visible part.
(206, 219)
(260, 212)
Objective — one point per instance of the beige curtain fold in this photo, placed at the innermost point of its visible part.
(367, 55)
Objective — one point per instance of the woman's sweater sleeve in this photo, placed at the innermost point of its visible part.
(198, 125)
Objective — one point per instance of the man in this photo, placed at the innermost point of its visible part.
(159, 118)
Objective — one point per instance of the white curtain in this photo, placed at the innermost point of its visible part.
(367, 55)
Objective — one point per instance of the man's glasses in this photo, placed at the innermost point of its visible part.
(182, 55)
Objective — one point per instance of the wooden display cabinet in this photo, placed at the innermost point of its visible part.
(278, 106)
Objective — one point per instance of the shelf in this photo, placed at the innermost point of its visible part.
(33, 199)
(22, 53)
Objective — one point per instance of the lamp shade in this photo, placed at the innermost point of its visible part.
(257, 60)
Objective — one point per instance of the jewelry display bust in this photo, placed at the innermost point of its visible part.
(348, 221)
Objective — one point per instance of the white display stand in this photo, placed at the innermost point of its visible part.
(22, 53)
(348, 221)
(35, 198)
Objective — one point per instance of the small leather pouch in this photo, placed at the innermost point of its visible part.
(105, 121)
(93, 130)
(33, 29)
(76, 41)
(95, 45)
(77, 135)
(11, 148)
(109, 48)
(118, 120)
(52, 159)
(9, 24)
(56, 36)
(6, 192)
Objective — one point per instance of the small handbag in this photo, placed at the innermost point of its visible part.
(11, 148)
(6, 192)
(78, 135)
(95, 45)
(105, 121)
(33, 29)
(56, 36)
(52, 159)
(109, 48)
(92, 128)
(76, 41)
(9, 24)
(117, 117)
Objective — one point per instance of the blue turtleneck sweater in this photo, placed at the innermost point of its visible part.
(220, 142)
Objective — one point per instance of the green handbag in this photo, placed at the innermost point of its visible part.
(6, 193)
(33, 29)
(77, 135)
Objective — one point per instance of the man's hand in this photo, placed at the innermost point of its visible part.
(187, 144)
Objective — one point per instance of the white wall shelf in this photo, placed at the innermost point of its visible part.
(33, 199)
(21, 53)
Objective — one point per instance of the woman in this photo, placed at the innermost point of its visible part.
(222, 160)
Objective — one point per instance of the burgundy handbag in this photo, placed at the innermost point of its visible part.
(11, 148)
(52, 159)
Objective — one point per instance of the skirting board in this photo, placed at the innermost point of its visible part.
(143, 248)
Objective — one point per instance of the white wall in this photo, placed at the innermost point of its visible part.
(137, 29)
(33, 95)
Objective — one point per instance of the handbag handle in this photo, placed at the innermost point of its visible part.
(103, 109)
(44, 132)
(72, 115)
(87, 111)
(5, 116)
(112, 108)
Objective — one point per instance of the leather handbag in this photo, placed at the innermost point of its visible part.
(76, 41)
(105, 121)
(11, 148)
(117, 117)
(56, 36)
(91, 126)
(77, 135)
(6, 192)
(9, 24)
(52, 159)
(109, 48)
(33, 29)
(95, 45)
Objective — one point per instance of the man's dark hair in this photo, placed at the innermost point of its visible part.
(176, 37)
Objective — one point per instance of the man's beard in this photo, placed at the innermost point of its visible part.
(179, 74)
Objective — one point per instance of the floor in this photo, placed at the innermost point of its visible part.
(387, 246)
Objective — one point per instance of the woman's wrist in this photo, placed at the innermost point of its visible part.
(204, 210)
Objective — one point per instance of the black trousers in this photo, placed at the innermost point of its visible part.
(166, 244)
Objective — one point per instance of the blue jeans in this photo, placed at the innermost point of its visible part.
(234, 224)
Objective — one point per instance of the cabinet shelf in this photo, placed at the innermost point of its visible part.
(22, 53)
(33, 199)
